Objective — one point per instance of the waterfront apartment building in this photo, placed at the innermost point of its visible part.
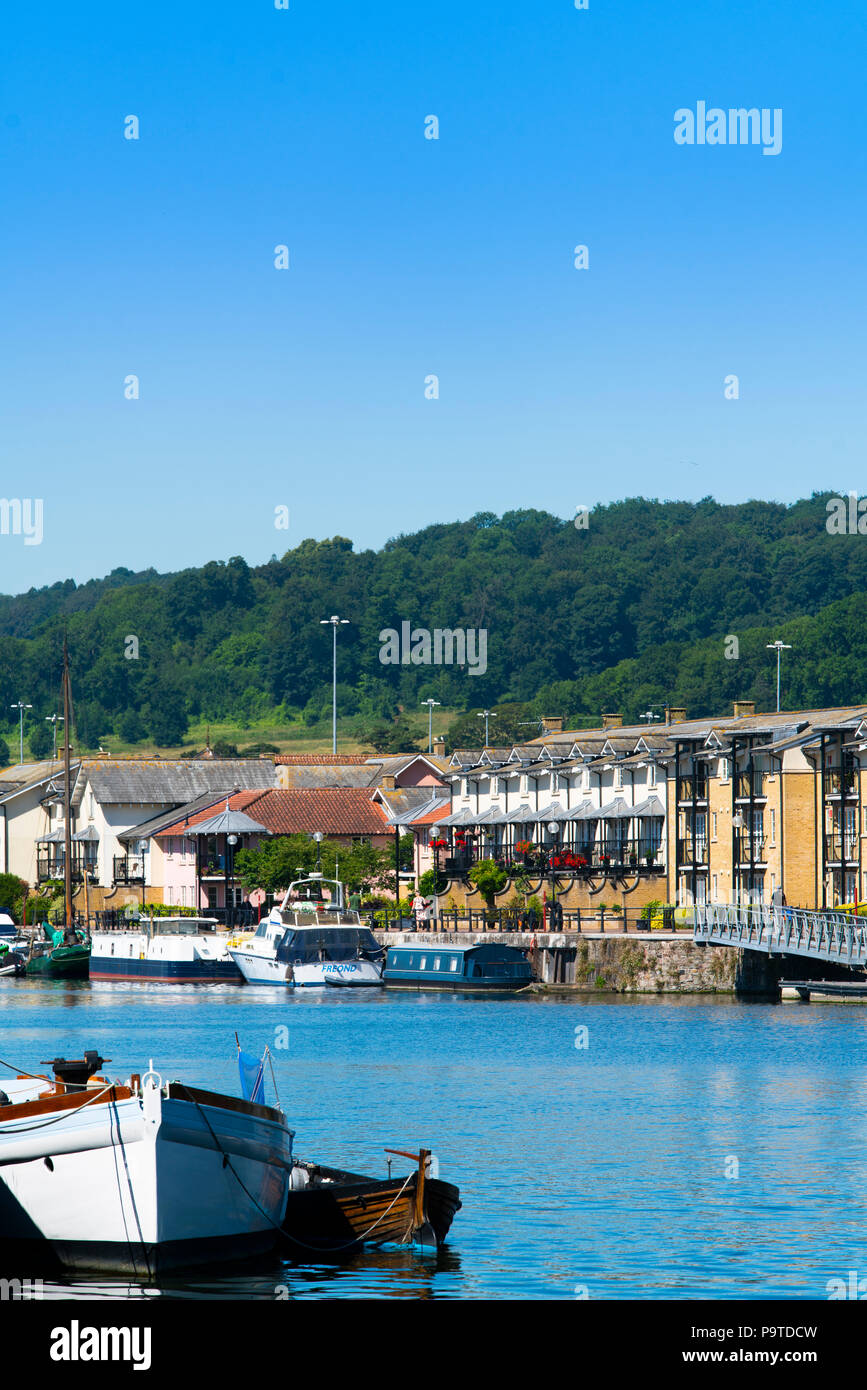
(738, 808)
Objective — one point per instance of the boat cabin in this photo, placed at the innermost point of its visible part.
(482, 967)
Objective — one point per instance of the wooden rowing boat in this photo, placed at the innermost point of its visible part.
(336, 1213)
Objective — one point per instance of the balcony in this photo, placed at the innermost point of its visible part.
(692, 850)
(841, 849)
(128, 869)
(692, 788)
(749, 787)
(640, 855)
(749, 849)
(50, 866)
(839, 781)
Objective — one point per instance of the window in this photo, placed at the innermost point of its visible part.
(715, 888)
(651, 775)
(618, 777)
(524, 782)
(495, 786)
(422, 965)
(436, 964)
(714, 824)
(464, 791)
(555, 781)
(724, 769)
(773, 824)
(453, 962)
(585, 780)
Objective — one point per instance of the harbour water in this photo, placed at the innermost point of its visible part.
(689, 1147)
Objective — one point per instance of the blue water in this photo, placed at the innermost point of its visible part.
(600, 1168)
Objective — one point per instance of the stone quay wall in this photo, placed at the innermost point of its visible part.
(633, 963)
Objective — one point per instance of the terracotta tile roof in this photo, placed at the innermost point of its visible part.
(433, 817)
(297, 810)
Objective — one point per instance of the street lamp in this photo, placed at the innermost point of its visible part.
(231, 841)
(553, 831)
(487, 714)
(335, 623)
(21, 707)
(430, 709)
(52, 719)
(778, 647)
(318, 838)
(434, 835)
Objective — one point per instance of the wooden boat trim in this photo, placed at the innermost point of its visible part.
(179, 1090)
(72, 1100)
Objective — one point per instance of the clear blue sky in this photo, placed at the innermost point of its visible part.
(558, 387)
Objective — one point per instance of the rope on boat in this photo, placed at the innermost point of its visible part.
(293, 1240)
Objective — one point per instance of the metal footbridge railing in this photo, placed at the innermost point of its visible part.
(831, 936)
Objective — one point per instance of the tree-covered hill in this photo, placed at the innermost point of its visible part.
(632, 610)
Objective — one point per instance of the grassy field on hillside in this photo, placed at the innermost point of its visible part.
(288, 738)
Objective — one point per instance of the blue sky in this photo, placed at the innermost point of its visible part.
(558, 388)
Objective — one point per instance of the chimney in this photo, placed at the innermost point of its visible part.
(612, 721)
(439, 747)
(553, 723)
(744, 708)
(676, 714)
(387, 783)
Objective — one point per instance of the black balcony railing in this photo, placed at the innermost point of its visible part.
(840, 848)
(749, 785)
(640, 855)
(692, 788)
(692, 849)
(839, 780)
(50, 866)
(749, 849)
(128, 870)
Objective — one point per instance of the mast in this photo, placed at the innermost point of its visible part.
(67, 793)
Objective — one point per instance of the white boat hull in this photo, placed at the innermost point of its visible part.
(144, 1184)
(261, 969)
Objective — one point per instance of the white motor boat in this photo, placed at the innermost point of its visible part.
(180, 950)
(138, 1176)
(310, 942)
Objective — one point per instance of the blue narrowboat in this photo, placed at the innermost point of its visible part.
(471, 968)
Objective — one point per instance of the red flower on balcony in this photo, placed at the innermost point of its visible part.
(524, 846)
(438, 844)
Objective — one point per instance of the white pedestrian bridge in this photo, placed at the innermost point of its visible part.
(794, 931)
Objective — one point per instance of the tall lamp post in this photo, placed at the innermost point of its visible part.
(430, 709)
(52, 719)
(335, 623)
(779, 648)
(21, 707)
(487, 714)
(553, 831)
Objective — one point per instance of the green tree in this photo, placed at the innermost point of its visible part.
(489, 878)
(41, 740)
